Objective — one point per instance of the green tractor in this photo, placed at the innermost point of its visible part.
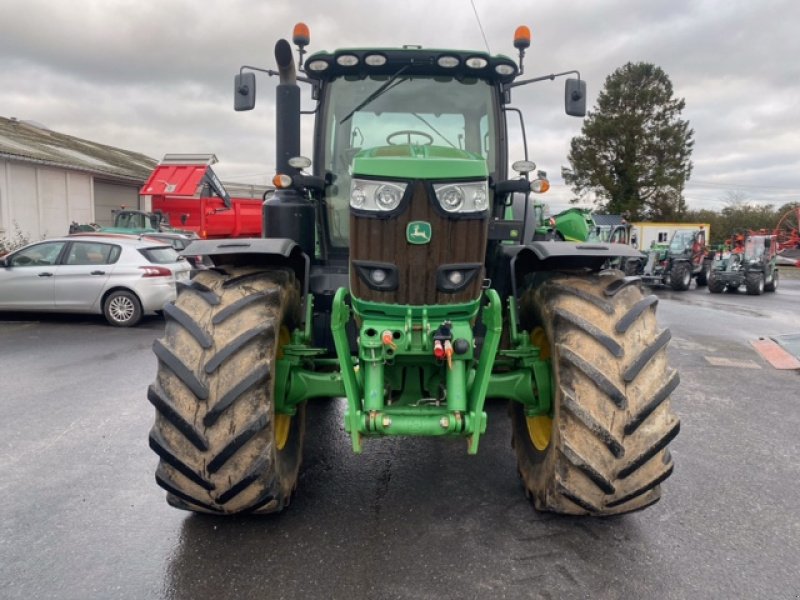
(686, 257)
(750, 260)
(389, 275)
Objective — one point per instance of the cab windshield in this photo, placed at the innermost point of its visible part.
(401, 111)
(680, 241)
(754, 248)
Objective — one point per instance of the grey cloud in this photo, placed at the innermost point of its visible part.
(157, 77)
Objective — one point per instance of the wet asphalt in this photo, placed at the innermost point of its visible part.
(82, 518)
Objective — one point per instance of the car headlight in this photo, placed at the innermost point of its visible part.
(467, 197)
(378, 196)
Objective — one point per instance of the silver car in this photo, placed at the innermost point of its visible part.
(119, 277)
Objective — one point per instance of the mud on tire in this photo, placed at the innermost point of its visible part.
(611, 419)
(215, 428)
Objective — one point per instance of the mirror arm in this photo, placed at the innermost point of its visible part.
(272, 73)
(543, 78)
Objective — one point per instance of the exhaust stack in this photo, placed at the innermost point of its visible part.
(287, 110)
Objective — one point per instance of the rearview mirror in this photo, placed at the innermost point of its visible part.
(244, 91)
(575, 97)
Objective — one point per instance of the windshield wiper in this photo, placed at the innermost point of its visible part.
(381, 90)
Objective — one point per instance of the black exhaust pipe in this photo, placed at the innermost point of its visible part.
(287, 110)
(287, 214)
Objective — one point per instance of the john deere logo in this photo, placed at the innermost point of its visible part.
(418, 232)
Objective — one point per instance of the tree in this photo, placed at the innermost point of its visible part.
(738, 213)
(634, 150)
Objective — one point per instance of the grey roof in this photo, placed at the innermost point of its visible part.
(31, 142)
(611, 220)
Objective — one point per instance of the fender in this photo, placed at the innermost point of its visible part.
(260, 252)
(561, 256)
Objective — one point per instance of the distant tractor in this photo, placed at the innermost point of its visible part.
(677, 263)
(751, 261)
(393, 273)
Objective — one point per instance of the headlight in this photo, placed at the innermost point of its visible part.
(462, 197)
(378, 196)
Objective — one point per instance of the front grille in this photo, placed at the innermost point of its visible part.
(453, 241)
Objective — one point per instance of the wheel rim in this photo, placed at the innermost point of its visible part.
(540, 427)
(283, 422)
(121, 309)
(687, 277)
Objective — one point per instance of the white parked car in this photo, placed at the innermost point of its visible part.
(120, 277)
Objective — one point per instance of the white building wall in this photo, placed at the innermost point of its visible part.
(23, 200)
(53, 202)
(41, 202)
(80, 198)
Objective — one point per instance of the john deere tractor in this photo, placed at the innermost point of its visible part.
(391, 275)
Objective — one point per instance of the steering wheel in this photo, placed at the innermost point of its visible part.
(408, 133)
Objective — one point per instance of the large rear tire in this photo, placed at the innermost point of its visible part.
(223, 449)
(603, 448)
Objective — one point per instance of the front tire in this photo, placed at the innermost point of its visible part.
(754, 282)
(605, 451)
(680, 277)
(772, 285)
(222, 447)
(715, 286)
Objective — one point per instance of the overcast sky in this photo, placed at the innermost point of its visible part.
(157, 76)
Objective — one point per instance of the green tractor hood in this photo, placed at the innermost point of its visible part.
(411, 161)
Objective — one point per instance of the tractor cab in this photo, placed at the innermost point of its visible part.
(410, 140)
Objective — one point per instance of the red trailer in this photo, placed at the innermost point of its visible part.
(186, 189)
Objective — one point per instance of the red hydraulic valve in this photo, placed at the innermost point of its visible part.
(388, 339)
(448, 352)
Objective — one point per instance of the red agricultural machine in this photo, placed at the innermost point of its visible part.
(186, 190)
(788, 230)
(787, 234)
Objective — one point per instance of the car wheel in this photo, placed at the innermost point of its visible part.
(122, 309)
